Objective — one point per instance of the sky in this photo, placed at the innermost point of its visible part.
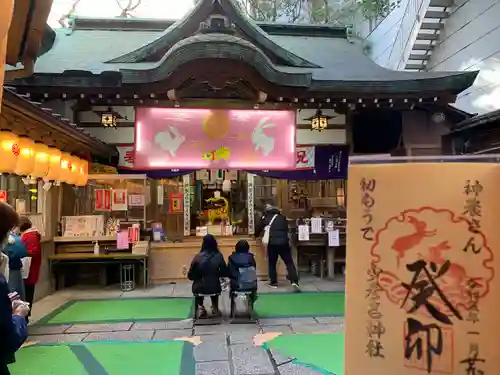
(167, 9)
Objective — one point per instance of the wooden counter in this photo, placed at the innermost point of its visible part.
(169, 262)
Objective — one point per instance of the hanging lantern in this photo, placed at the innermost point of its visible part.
(65, 175)
(75, 170)
(319, 121)
(41, 168)
(83, 174)
(54, 164)
(9, 151)
(26, 159)
(108, 118)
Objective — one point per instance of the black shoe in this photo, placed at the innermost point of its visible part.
(216, 311)
(296, 287)
(202, 313)
(273, 285)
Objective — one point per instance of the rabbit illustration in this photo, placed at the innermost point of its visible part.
(260, 140)
(170, 140)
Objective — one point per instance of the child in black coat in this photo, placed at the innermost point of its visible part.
(242, 270)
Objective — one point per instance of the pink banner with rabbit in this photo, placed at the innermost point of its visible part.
(175, 138)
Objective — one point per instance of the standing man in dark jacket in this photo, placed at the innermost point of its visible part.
(206, 269)
(13, 328)
(278, 246)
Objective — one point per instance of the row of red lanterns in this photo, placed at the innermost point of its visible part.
(20, 155)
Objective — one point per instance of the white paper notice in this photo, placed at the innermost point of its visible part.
(303, 232)
(333, 238)
(316, 226)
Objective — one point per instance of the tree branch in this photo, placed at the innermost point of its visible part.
(65, 17)
(126, 11)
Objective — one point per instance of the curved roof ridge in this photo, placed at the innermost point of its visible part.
(200, 13)
(209, 46)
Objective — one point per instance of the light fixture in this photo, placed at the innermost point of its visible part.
(9, 151)
(54, 164)
(65, 175)
(438, 117)
(319, 121)
(41, 168)
(74, 170)
(83, 174)
(26, 159)
(108, 118)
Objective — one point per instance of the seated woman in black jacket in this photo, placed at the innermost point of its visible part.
(242, 270)
(206, 269)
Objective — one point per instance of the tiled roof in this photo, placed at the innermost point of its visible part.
(324, 53)
(342, 59)
(59, 123)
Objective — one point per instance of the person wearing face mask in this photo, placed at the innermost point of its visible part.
(13, 328)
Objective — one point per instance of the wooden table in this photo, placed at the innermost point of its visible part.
(109, 258)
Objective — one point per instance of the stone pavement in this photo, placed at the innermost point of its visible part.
(224, 350)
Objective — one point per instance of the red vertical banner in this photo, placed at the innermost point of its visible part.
(176, 202)
(102, 200)
(3, 196)
(133, 233)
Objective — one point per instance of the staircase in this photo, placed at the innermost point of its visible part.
(428, 34)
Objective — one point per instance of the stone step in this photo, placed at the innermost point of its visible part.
(423, 47)
(414, 66)
(436, 14)
(441, 3)
(432, 26)
(426, 36)
(415, 56)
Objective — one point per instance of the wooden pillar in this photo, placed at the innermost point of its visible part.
(330, 262)
(186, 190)
(6, 11)
(349, 131)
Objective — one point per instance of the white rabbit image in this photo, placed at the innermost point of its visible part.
(170, 140)
(260, 140)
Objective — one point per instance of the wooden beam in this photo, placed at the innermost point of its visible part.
(24, 117)
(16, 31)
(27, 29)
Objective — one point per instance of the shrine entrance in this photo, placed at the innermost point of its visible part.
(219, 202)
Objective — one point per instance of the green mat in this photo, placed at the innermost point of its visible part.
(106, 358)
(275, 305)
(322, 352)
(121, 310)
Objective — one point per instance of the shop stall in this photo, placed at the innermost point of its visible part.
(104, 227)
(42, 154)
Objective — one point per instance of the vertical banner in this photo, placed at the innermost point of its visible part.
(102, 200)
(3, 196)
(423, 290)
(175, 203)
(251, 202)
(186, 188)
(133, 233)
(119, 200)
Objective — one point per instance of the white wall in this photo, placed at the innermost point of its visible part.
(471, 41)
(393, 38)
